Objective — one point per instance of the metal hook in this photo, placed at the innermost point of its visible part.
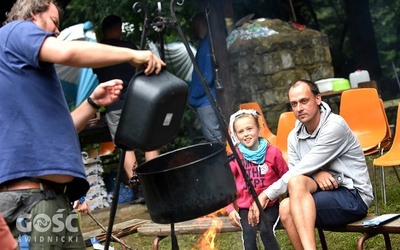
(159, 8)
(159, 21)
(158, 24)
(172, 10)
(137, 8)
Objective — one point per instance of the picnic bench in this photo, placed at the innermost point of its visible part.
(199, 226)
(392, 227)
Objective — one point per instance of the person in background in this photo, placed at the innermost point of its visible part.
(328, 181)
(41, 169)
(7, 242)
(112, 35)
(264, 164)
(198, 99)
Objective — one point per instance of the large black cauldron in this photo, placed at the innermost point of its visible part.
(187, 183)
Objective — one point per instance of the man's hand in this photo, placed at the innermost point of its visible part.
(81, 207)
(103, 95)
(107, 93)
(325, 180)
(146, 60)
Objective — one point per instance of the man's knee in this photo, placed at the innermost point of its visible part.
(300, 184)
(284, 209)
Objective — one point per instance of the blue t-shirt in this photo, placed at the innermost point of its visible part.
(37, 134)
(197, 95)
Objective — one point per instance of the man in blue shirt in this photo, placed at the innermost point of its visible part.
(41, 169)
(198, 99)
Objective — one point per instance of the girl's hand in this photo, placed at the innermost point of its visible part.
(254, 213)
(234, 218)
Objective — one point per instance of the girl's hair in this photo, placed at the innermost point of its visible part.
(26, 9)
(254, 116)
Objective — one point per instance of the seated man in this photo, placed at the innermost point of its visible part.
(328, 180)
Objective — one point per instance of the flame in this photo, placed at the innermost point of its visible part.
(206, 242)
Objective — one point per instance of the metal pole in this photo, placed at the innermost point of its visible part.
(222, 123)
(114, 204)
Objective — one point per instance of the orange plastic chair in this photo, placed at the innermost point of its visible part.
(389, 159)
(265, 131)
(106, 148)
(228, 149)
(387, 141)
(362, 110)
(286, 122)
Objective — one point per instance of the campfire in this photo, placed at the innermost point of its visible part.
(206, 242)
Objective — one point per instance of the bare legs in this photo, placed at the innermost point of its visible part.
(131, 163)
(152, 154)
(298, 212)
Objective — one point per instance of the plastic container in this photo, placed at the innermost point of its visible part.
(358, 76)
(325, 85)
(340, 84)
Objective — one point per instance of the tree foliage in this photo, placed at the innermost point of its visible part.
(95, 10)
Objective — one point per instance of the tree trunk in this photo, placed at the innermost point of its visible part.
(218, 32)
(362, 37)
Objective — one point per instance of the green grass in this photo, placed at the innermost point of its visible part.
(232, 241)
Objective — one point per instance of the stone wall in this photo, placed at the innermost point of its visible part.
(267, 56)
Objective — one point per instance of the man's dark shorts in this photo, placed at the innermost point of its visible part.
(338, 207)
